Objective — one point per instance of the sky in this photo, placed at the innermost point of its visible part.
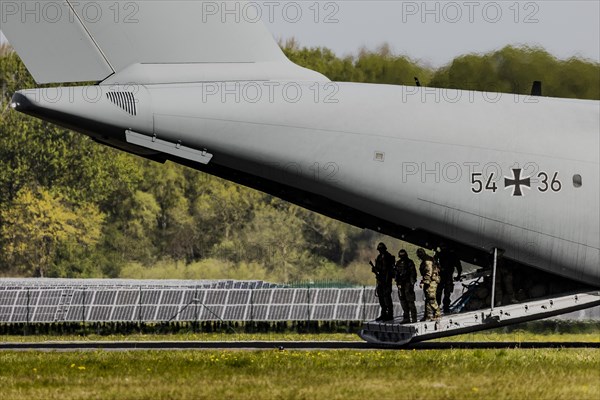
(434, 32)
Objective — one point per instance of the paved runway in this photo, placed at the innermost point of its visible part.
(265, 345)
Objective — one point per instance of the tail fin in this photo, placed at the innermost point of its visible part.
(143, 41)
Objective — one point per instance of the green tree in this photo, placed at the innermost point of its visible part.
(383, 66)
(39, 223)
(513, 70)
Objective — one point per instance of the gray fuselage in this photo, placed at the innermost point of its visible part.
(482, 169)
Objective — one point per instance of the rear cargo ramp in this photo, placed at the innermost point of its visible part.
(395, 334)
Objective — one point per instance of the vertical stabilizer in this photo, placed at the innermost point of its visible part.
(85, 40)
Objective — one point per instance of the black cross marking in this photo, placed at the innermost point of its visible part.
(516, 181)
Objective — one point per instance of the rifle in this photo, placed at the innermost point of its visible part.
(374, 269)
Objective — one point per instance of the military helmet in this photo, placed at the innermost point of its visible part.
(401, 253)
(420, 252)
(381, 246)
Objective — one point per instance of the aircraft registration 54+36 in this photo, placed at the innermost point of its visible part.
(180, 82)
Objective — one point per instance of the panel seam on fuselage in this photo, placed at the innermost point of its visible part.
(374, 135)
(507, 223)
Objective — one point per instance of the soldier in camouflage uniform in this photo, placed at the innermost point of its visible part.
(448, 262)
(430, 279)
(384, 273)
(406, 277)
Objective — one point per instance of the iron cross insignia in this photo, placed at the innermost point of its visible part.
(517, 182)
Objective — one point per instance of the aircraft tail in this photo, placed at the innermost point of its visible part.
(144, 41)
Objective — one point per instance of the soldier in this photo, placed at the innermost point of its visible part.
(406, 277)
(448, 261)
(430, 279)
(384, 273)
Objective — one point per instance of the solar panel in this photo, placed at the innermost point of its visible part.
(171, 297)
(7, 298)
(322, 312)
(123, 313)
(326, 296)
(167, 313)
(369, 296)
(5, 313)
(300, 312)
(279, 312)
(283, 296)
(216, 297)
(146, 313)
(189, 296)
(350, 296)
(303, 296)
(21, 314)
(371, 311)
(76, 313)
(81, 297)
(257, 313)
(191, 313)
(50, 297)
(104, 297)
(128, 297)
(234, 313)
(261, 296)
(27, 297)
(99, 313)
(149, 296)
(44, 314)
(212, 313)
(347, 312)
(238, 297)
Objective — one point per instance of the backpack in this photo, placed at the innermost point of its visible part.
(436, 272)
(391, 272)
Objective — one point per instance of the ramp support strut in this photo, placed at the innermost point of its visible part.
(494, 267)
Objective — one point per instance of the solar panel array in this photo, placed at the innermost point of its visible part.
(88, 300)
(141, 301)
(48, 283)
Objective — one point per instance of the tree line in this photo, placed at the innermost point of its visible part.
(73, 208)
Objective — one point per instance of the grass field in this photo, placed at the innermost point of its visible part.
(339, 374)
(591, 335)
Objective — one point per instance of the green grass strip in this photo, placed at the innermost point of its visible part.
(338, 374)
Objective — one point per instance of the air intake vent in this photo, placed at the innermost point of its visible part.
(125, 100)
